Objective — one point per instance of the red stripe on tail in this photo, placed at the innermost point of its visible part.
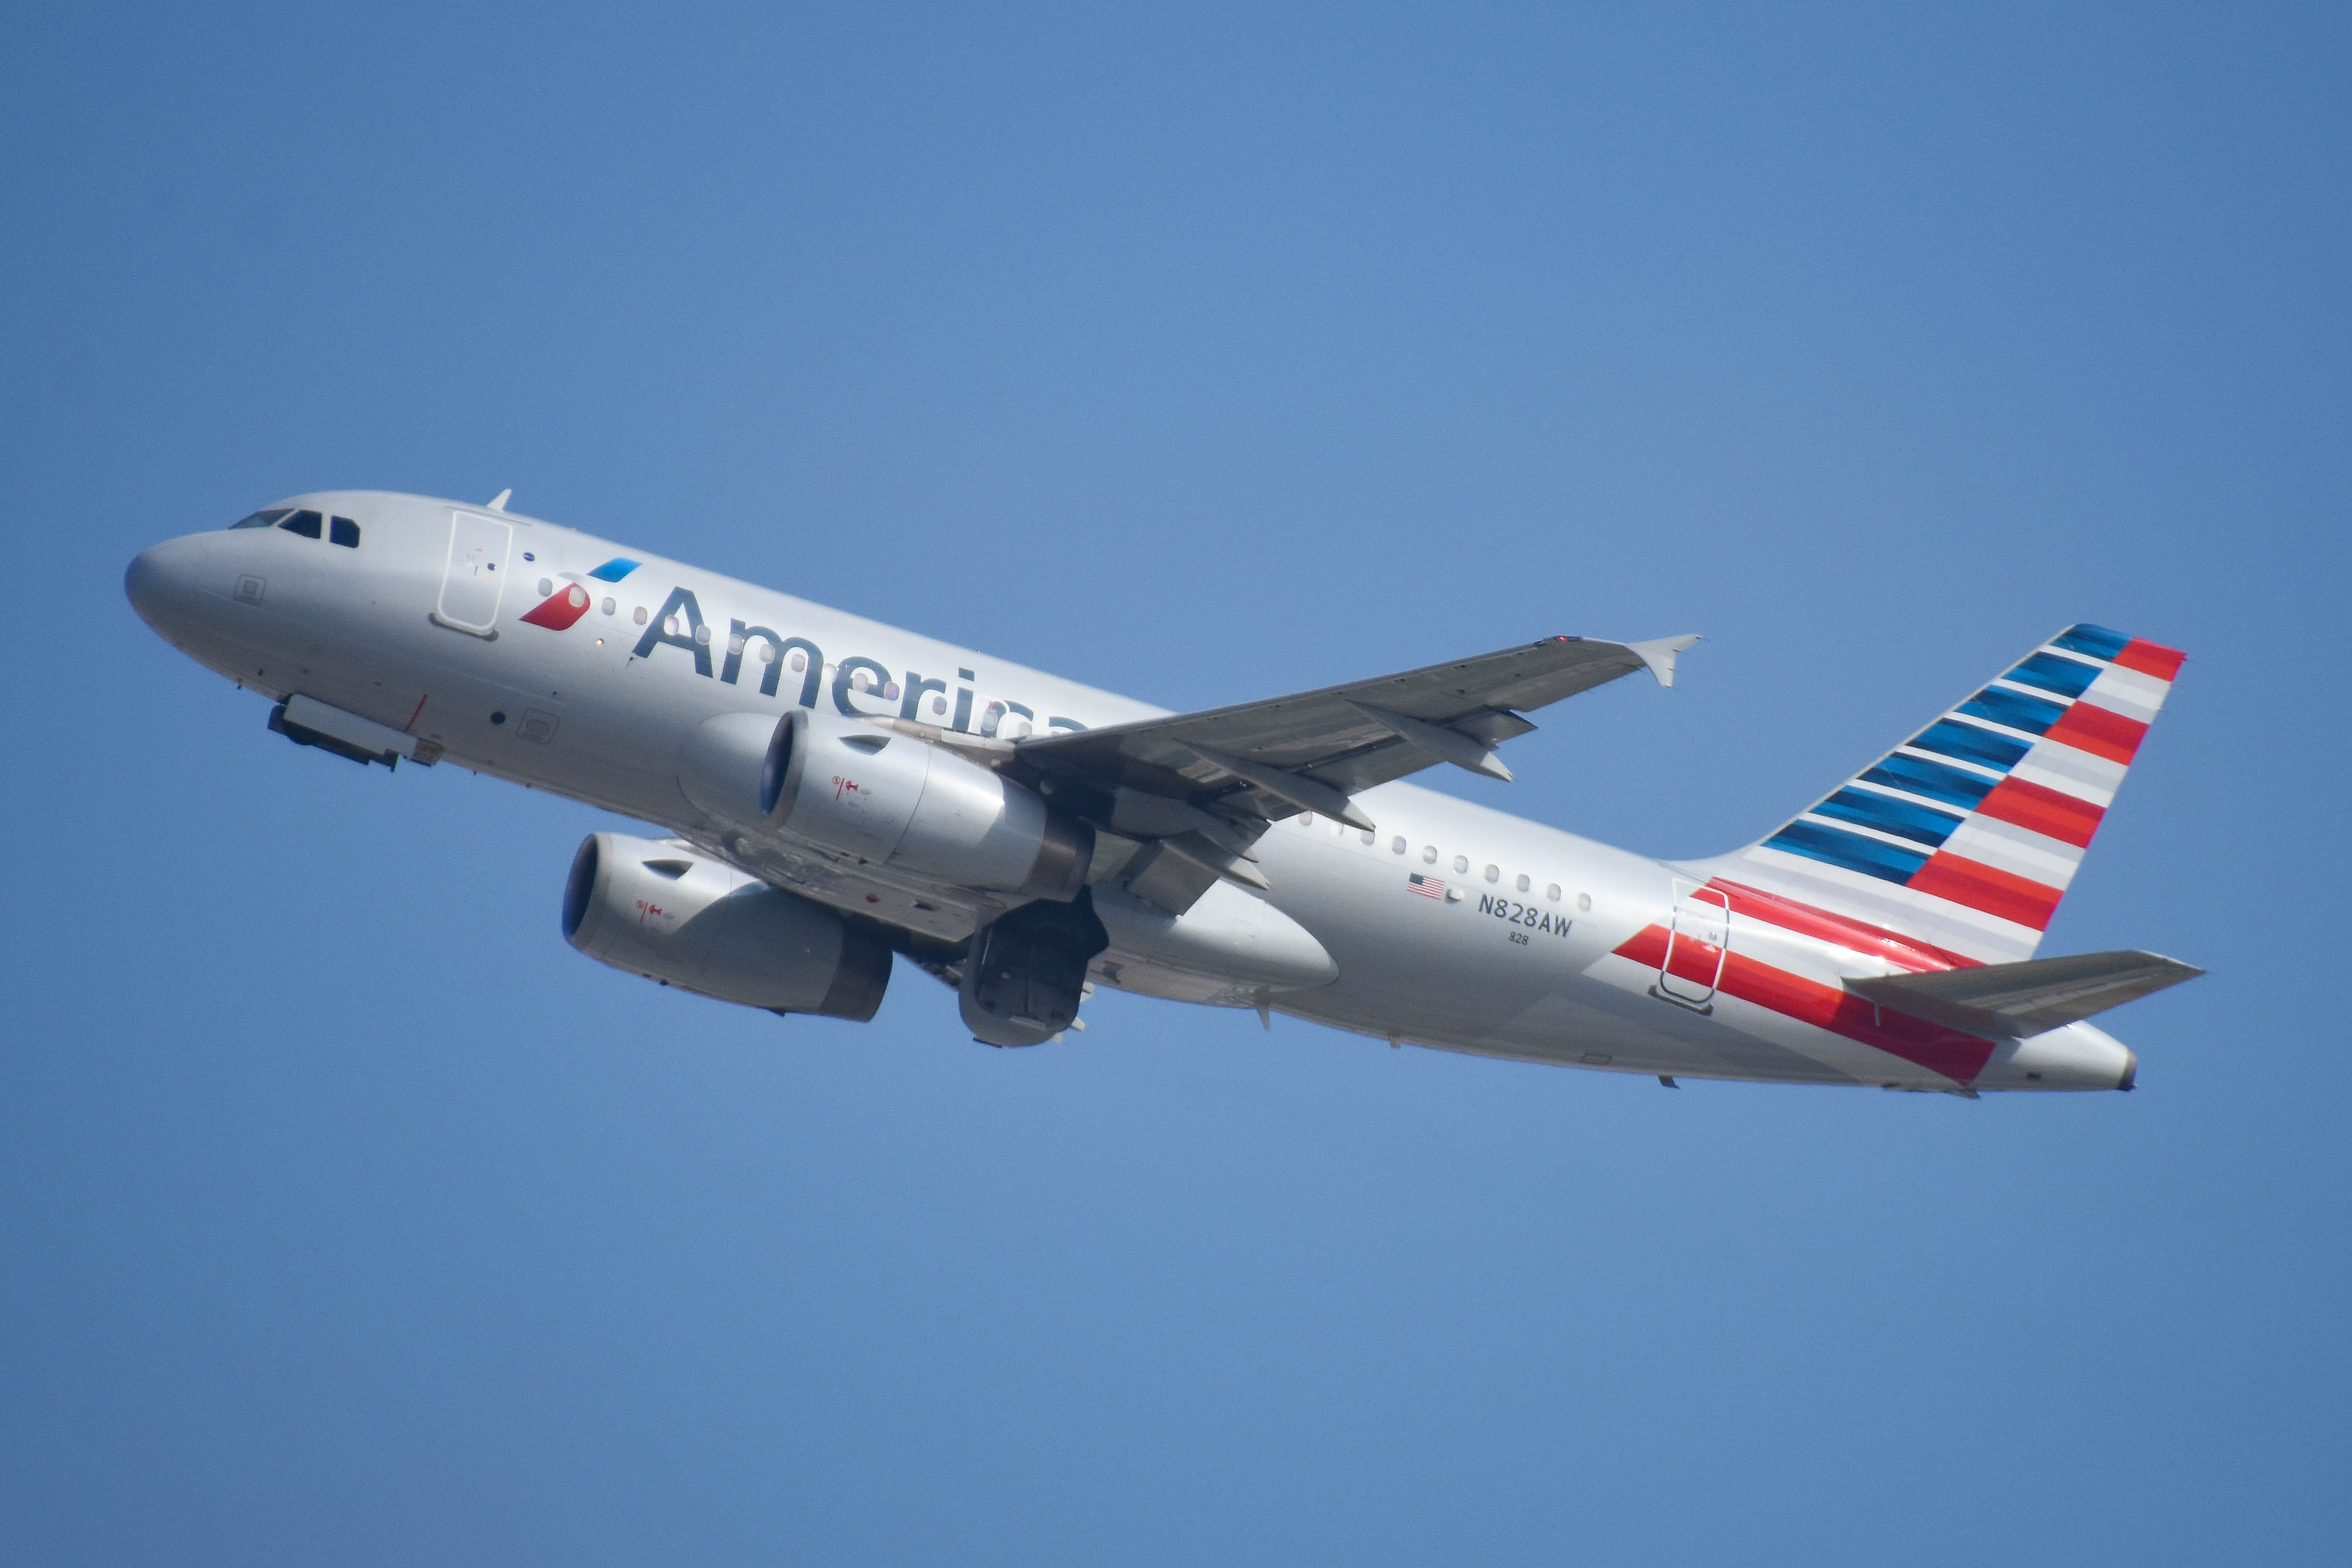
(2069, 819)
(1989, 888)
(2151, 659)
(2099, 731)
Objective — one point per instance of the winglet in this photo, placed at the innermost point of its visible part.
(1659, 654)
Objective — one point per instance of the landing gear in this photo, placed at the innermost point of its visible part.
(1024, 975)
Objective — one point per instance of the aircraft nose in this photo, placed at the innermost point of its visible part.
(162, 584)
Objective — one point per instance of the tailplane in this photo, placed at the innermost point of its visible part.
(2009, 1002)
(1967, 835)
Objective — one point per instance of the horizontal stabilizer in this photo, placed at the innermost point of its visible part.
(2006, 1001)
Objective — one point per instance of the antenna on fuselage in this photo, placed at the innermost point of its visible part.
(498, 502)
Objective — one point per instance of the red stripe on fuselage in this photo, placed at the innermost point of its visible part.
(1856, 935)
(2053, 813)
(1959, 1057)
(1699, 963)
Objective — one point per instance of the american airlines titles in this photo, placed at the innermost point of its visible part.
(693, 638)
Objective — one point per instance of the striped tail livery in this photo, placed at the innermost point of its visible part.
(1968, 834)
(1895, 921)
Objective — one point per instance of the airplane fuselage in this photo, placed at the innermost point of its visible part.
(572, 664)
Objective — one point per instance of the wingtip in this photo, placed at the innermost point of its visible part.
(1659, 652)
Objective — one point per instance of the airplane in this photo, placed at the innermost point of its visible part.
(830, 795)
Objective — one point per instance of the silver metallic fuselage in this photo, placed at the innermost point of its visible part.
(576, 711)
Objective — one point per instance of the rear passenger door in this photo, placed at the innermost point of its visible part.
(475, 576)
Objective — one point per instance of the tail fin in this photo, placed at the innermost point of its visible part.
(1968, 834)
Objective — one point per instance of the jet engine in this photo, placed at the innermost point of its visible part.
(661, 910)
(892, 799)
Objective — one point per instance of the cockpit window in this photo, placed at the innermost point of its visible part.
(346, 533)
(267, 519)
(309, 525)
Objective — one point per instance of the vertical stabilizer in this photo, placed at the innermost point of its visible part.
(1967, 835)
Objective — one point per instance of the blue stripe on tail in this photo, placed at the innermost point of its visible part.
(1872, 857)
(1936, 780)
(2096, 641)
(1969, 744)
(2067, 678)
(2032, 715)
(1904, 818)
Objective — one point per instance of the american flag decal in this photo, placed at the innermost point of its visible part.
(1427, 886)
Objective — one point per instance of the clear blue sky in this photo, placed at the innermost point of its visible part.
(347, 1216)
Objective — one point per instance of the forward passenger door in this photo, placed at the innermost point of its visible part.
(474, 578)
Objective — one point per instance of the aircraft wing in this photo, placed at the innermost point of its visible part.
(1207, 784)
(2008, 1001)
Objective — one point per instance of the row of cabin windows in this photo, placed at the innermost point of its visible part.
(1399, 845)
(310, 525)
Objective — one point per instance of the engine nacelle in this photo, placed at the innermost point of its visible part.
(889, 799)
(656, 910)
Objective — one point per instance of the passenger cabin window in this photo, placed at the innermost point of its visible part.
(269, 519)
(309, 525)
(345, 532)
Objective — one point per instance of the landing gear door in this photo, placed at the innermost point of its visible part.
(475, 573)
(1698, 941)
